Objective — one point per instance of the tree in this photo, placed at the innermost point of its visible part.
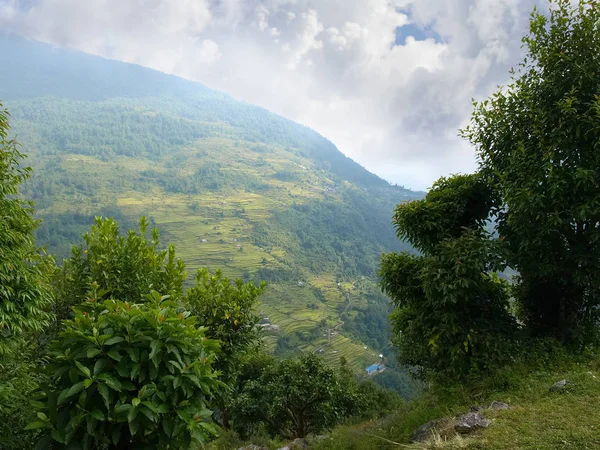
(451, 310)
(25, 295)
(226, 309)
(115, 266)
(291, 398)
(538, 140)
(127, 376)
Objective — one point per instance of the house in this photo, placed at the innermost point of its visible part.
(374, 369)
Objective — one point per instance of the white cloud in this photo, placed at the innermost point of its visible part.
(332, 65)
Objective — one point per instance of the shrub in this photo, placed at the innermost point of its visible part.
(129, 376)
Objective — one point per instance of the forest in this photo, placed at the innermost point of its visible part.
(120, 343)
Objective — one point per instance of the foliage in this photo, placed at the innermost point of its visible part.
(291, 398)
(227, 311)
(24, 290)
(25, 295)
(115, 266)
(451, 311)
(538, 142)
(20, 376)
(129, 376)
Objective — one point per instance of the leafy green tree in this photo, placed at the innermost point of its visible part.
(291, 398)
(25, 295)
(227, 310)
(129, 376)
(451, 310)
(538, 143)
(115, 266)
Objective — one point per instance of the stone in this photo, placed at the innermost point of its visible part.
(559, 385)
(470, 422)
(426, 431)
(253, 447)
(299, 444)
(499, 405)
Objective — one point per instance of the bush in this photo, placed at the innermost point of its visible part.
(129, 376)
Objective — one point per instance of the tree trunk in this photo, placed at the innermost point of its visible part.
(226, 420)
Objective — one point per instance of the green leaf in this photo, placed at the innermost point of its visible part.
(133, 427)
(211, 428)
(114, 340)
(132, 414)
(84, 370)
(97, 414)
(135, 401)
(99, 366)
(105, 394)
(114, 354)
(37, 425)
(167, 425)
(75, 389)
(93, 352)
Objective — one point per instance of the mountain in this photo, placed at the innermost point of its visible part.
(232, 185)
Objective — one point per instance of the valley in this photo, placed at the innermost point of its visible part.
(233, 186)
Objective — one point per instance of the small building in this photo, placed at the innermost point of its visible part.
(374, 369)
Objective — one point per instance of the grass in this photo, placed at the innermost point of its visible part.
(538, 419)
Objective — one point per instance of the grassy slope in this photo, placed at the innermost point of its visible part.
(539, 419)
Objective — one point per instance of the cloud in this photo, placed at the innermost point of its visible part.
(388, 81)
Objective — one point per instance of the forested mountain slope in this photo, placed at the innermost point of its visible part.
(232, 185)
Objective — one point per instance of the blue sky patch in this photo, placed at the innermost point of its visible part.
(419, 33)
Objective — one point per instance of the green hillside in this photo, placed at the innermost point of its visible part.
(233, 186)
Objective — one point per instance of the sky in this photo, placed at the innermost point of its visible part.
(390, 82)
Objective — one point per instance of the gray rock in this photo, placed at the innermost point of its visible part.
(253, 447)
(499, 405)
(425, 431)
(470, 422)
(559, 385)
(299, 444)
(284, 448)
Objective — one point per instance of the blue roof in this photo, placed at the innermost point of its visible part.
(372, 368)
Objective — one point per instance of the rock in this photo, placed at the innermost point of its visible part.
(559, 385)
(499, 405)
(253, 447)
(470, 422)
(426, 431)
(299, 444)
(476, 408)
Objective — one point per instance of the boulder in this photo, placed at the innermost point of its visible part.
(426, 431)
(253, 447)
(499, 405)
(470, 422)
(559, 386)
